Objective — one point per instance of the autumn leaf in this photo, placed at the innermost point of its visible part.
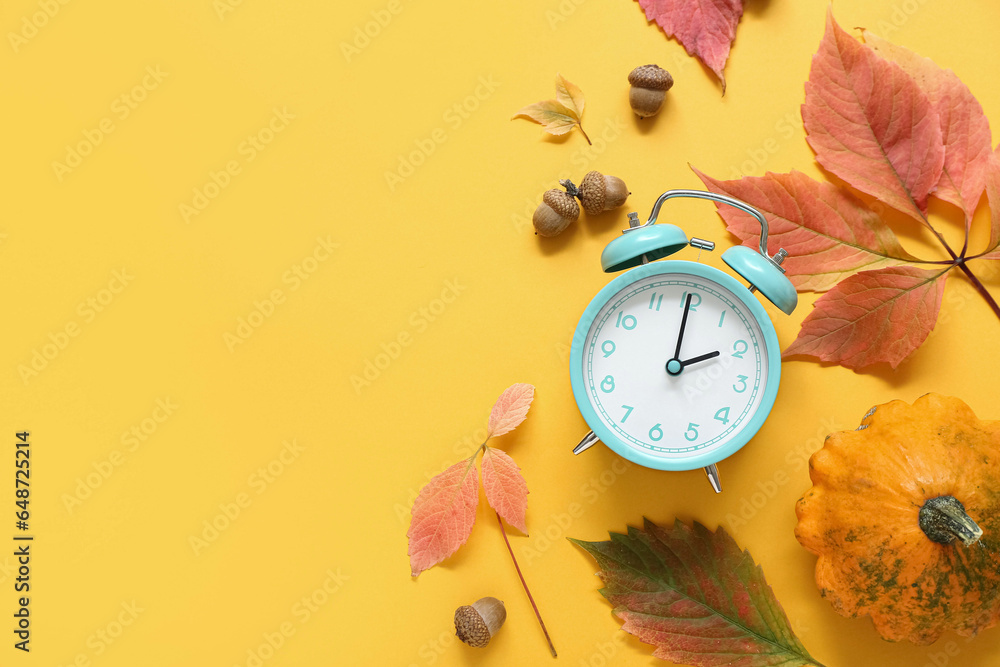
(897, 127)
(695, 596)
(828, 232)
(993, 194)
(510, 409)
(570, 96)
(445, 510)
(443, 516)
(965, 131)
(872, 316)
(871, 125)
(506, 490)
(706, 28)
(560, 115)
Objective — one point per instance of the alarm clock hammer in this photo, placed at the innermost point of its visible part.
(674, 364)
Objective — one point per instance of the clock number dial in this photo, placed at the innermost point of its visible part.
(695, 299)
(700, 400)
(722, 415)
(626, 322)
(691, 434)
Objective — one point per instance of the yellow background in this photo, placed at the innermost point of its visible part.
(330, 526)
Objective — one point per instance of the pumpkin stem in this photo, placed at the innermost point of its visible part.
(943, 519)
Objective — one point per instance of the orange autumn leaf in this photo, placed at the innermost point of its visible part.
(443, 516)
(506, 490)
(510, 409)
(872, 316)
(870, 123)
(445, 509)
(900, 129)
(965, 132)
(829, 233)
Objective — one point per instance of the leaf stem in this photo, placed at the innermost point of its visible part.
(959, 261)
(580, 125)
(964, 268)
(503, 532)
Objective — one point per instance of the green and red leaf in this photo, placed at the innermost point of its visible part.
(695, 596)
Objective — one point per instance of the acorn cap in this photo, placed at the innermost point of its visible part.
(592, 192)
(652, 77)
(562, 203)
(476, 624)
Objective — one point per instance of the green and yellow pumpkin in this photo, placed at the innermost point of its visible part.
(904, 514)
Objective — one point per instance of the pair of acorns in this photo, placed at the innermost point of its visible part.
(597, 193)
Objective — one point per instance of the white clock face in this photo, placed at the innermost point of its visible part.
(671, 402)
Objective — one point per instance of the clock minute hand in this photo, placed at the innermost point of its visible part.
(684, 320)
(704, 357)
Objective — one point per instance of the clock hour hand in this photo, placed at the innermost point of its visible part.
(704, 357)
(675, 366)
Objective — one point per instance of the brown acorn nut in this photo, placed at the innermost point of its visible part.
(476, 624)
(650, 84)
(599, 193)
(557, 210)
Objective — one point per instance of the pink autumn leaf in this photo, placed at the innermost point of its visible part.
(506, 490)
(993, 193)
(872, 317)
(828, 232)
(871, 125)
(706, 28)
(965, 130)
(510, 409)
(443, 515)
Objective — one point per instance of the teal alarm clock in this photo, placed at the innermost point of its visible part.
(674, 364)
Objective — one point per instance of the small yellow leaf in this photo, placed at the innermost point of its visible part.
(570, 95)
(557, 116)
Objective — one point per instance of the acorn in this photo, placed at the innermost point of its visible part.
(476, 624)
(557, 210)
(599, 193)
(650, 84)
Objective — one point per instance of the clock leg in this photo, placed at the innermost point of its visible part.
(713, 478)
(588, 441)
